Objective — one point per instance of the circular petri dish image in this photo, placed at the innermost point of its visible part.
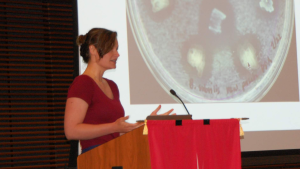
(211, 50)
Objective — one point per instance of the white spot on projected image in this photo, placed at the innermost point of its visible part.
(267, 5)
(158, 5)
(216, 19)
(196, 59)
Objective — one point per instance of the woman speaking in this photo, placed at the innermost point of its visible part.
(94, 114)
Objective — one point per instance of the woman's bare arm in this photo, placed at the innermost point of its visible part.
(75, 129)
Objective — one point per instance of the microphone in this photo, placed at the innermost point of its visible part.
(174, 94)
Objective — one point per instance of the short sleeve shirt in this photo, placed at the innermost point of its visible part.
(101, 109)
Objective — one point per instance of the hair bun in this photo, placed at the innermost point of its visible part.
(80, 39)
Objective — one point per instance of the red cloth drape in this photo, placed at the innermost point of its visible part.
(194, 145)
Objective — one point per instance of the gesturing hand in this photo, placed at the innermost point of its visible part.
(154, 113)
(123, 127)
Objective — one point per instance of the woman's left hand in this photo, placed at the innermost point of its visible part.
(154, 113)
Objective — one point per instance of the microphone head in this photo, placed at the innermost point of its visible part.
(173, 92)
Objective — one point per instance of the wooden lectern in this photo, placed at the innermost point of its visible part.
(129, 151)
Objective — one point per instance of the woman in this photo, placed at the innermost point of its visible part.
(94, 114)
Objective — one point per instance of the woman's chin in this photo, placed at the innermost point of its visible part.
(113, 67)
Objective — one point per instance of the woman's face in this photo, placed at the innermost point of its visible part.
(109, 60)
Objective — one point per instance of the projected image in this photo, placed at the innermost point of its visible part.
(211, 50)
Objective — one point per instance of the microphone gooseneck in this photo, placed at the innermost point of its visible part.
(174, 94)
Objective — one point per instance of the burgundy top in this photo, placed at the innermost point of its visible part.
(101, 108)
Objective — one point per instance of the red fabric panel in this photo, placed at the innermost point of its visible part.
(194, 145)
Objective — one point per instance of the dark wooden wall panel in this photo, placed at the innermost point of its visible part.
(38, 62)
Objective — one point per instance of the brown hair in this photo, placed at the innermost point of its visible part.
(101, 38)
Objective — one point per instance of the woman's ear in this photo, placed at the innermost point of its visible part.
(93, 52)
(92, 49)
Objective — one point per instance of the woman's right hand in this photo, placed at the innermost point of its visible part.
(154, 113)
(123, 127)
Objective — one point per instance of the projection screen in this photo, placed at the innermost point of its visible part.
(225, 59)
